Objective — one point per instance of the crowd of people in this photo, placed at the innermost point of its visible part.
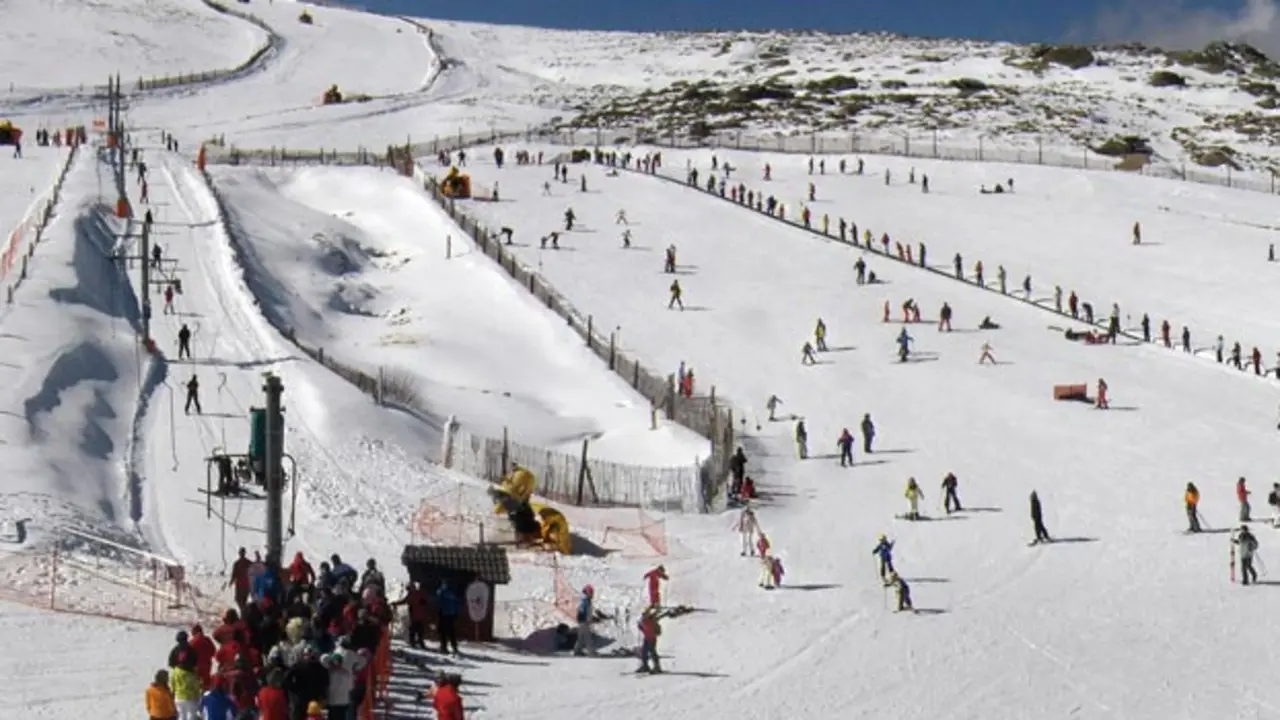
(300, 644)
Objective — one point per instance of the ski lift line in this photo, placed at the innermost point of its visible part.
(112, 544)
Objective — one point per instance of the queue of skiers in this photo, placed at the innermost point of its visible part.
(299, 645)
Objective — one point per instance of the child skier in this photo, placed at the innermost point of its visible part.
(904, 591)
(766, 563)
(772, 404)
(904, 345)
(884, 554)
(1101, 402)
(650, 629)
(808, 358)
(914, 495)
(986, 354)
(748, 526)
(845, 445)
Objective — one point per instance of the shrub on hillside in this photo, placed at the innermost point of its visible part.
(1072, 56)
(1125, 145)
(1167, 78)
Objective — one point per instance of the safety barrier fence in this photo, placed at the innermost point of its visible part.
(80, 573)
(576, 478)
(23, 239)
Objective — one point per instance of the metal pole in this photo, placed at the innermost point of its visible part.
(274, 470)
(146, 282)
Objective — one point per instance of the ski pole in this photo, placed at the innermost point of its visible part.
(1262, 566)
(1202, 522)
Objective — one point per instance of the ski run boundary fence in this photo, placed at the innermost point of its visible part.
(260, 57)
(23, 239)
(927, 146)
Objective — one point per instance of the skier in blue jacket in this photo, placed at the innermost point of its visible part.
(884, 553)
(904, 345)
(217, 704)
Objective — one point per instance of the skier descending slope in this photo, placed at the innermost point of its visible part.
(748, 526)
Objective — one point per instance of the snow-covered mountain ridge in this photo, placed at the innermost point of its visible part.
(1215, 106)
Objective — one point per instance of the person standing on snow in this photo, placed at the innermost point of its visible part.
(1242, 497)
(1101, 401)
(1191, 498)
(772, 405)
(1037, 520)
(845, 445)
(950, 498)
(903, 590)
(748, 526)
(620, 218)
(738, 467)
(448, 607)
(914, 495)
(944, 318)
(159, 698)
(216, 704)
(676, 292)
(904, 345)
(820, 336)
(986, 354)
(586, 617)
(807, 357)
(884, 554)
(766, 562)
(650, 629)
(1273, 499)
(868, 433)
(1186, 339)
(1248, 545)
(802, 440)
(653, 581)
(185, 687)
(193, 395)
(184, 338)
(168, 300)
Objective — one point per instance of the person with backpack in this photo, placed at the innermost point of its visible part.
(650, 629)
(1248, 545)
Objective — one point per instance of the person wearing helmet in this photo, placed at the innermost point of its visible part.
(884, 553)
(586, 612)
(1248, 545)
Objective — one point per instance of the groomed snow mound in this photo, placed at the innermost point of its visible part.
(355, 261)
(47, 44)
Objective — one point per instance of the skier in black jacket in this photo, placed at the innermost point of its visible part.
(1037, 519)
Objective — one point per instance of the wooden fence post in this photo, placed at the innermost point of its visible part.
(613, 350)
(589, 322)
(506, 451)
(582, 473)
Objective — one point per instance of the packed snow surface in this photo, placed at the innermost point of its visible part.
(367, 265)
(1124, 615)
(53, 45)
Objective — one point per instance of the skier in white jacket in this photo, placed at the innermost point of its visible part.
(343, 664)
(748, 525)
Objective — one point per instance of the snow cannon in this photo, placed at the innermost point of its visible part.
(456, 185)
(554, 528)
(332, 96)
(10, 135)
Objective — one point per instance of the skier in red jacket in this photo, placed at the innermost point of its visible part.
(654, 579)
(445, 699)
(205, 651)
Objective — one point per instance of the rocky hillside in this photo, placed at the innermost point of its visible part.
(1213, 107)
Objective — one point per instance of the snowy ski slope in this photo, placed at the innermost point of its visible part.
(52, 45)
(1126, 617)
(364, 253)
(1111, 481)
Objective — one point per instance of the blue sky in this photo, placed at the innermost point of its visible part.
(1167, 21)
